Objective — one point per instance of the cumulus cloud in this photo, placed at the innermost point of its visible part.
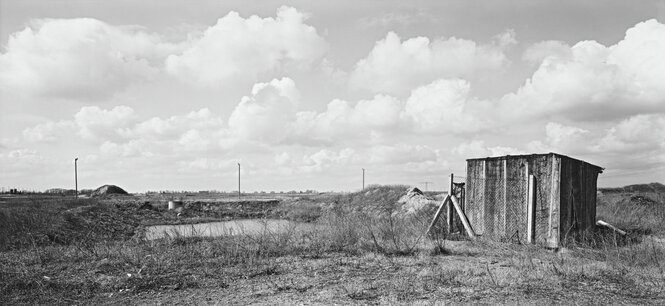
(631, 143)
(444, 106)
(120, 133)
(49, 131)
(16, 162)
(97, 124)
(266, 114)
(478, 149)
(171, 128)
(595, 82)
(239, 47)
(341, 119)
(637, 133)
(326, 158)
(80, 58)
(396, 66)
(537, 52)
(401, 154)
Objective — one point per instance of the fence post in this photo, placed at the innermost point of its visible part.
(449, 206)
(531, 209)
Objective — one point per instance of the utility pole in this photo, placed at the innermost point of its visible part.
(426, 184)
(238, 182)
(363, 179)
(76, 179)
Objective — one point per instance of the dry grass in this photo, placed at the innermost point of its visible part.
(357, 253)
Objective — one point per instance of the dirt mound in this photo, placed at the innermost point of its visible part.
(413, 202)
(109, 190)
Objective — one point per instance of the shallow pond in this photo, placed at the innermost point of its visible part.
(226, 228)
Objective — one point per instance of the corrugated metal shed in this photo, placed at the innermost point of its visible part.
(497, 196)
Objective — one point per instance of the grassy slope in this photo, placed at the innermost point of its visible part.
(355, 257)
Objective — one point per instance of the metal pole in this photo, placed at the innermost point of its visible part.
(76, 179)
(363, 179)
(238, 182)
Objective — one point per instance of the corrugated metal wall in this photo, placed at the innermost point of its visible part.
(497, 188)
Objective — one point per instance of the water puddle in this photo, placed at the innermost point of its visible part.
(226, 228)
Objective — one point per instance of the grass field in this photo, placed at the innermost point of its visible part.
(91, 251)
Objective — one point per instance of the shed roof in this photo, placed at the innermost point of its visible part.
(600, 169)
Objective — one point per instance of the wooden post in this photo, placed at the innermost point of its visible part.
(610, 226)
(462, 216)
(76, 179)
(531, 209)
(449, 207)
(438, 213)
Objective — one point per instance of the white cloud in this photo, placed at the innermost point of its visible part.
(564, 137)
(171, 128)
(478, 149)
(342, 120)
(537, 52)
(325, 159)
(96, 124)
(401, 154)
(595, 82)
(267, 113)
(603, 104)
(396, 66)
(80, 58)
(120, 133)
(632, 143)
(444, 106)
(17, 162)
(49, 131)
(638, 133)
(238, 47)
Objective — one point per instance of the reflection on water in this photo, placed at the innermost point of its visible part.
(225, 228)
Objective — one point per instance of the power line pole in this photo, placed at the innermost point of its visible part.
(238, 182)
(363, 179)
(426, 184)
(76, 179)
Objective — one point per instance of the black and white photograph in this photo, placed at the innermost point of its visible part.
(367, 152)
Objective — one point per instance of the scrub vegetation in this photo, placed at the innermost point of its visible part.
(56, 250)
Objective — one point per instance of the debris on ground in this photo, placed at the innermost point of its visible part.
(413, 202)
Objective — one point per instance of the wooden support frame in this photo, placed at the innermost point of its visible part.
(449, 203)
(452, 201)
(438, 213)
(462, 216)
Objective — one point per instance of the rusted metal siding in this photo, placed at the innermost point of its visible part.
(497, 188)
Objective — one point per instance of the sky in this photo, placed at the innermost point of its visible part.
(172, 95)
